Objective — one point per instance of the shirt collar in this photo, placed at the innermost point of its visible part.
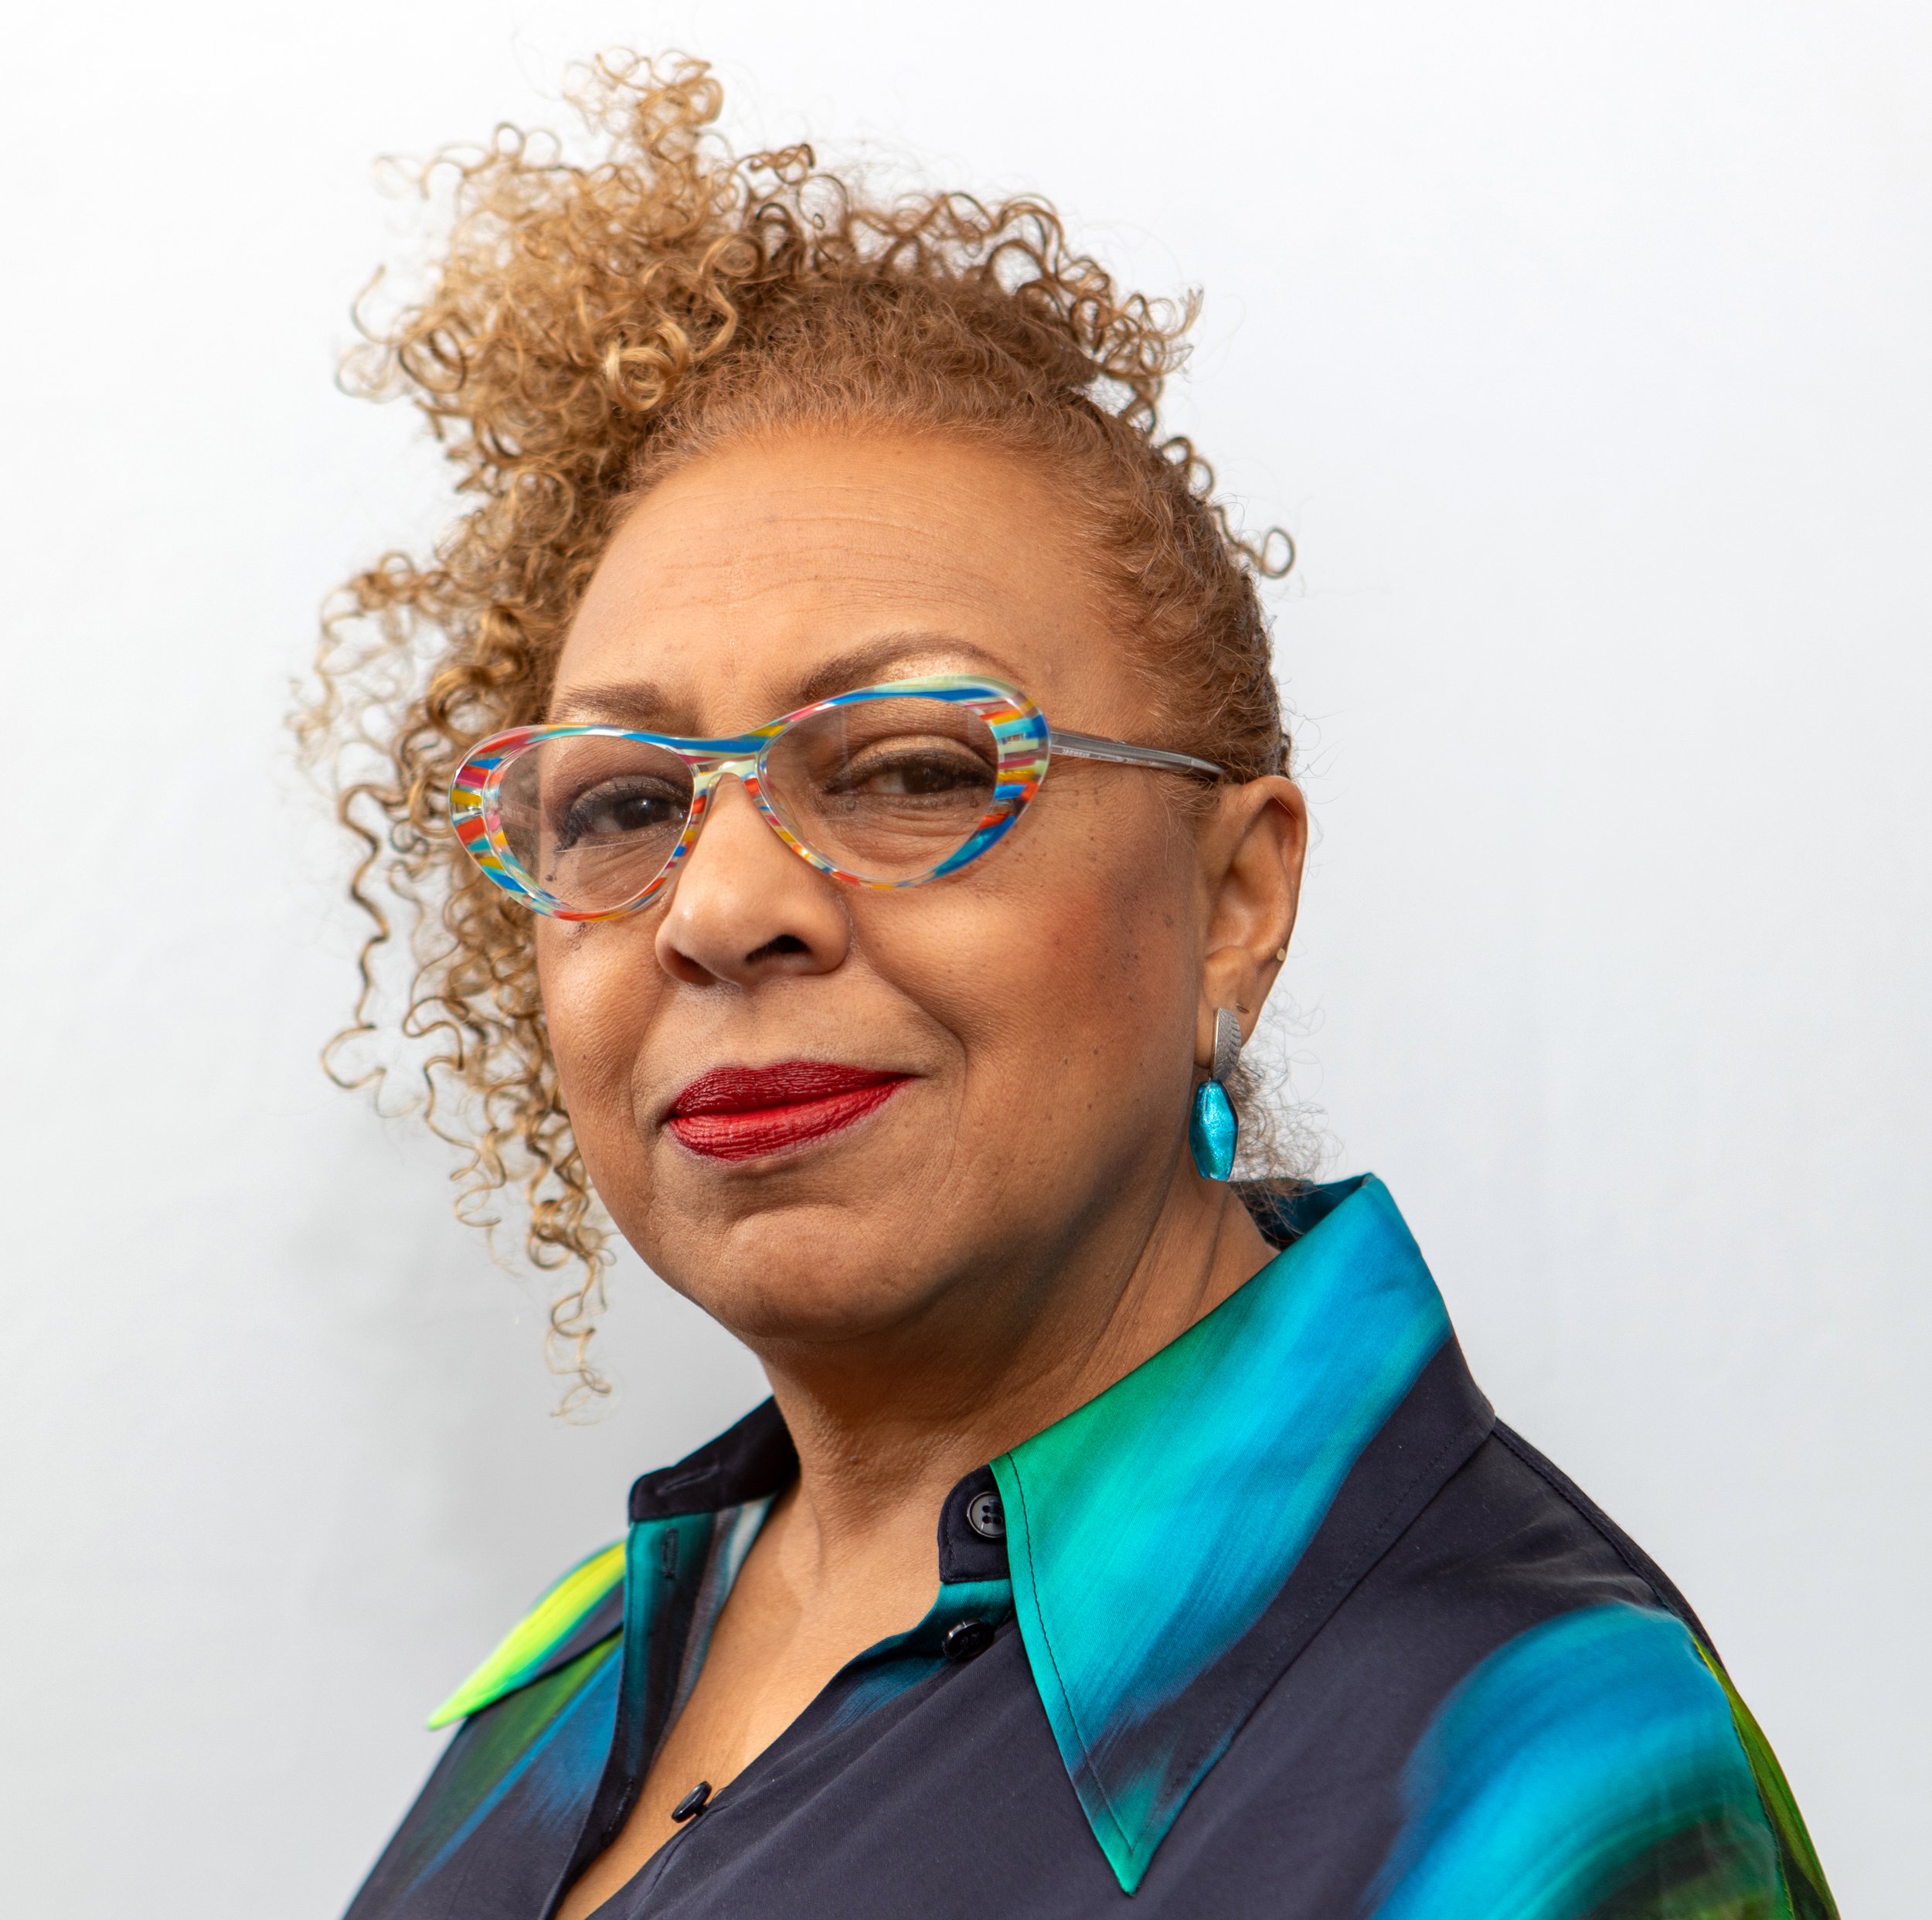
(1153, 1533)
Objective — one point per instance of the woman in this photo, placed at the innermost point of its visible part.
(869, 842)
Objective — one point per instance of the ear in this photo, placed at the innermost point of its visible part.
(1251, 853)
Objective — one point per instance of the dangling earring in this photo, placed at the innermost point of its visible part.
(1211, 1128)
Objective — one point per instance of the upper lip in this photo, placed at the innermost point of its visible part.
(787, 1083)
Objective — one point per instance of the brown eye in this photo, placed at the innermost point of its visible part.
(912, 772)
(620, 808)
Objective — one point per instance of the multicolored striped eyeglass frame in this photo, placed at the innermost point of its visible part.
(887, 786)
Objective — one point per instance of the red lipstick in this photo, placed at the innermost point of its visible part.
(737, 1113)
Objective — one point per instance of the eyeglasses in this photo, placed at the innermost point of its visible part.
(887, 786)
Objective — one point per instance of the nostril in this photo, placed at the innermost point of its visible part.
(784, 944)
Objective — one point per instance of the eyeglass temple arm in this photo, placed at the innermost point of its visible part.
(1123, 752)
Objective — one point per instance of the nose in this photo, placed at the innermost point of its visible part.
(744, 907)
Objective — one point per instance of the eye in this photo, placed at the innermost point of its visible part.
(913, 769)
(621, 809)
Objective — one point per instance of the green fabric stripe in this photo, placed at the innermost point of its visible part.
(536, 1635)
(1808, 1896)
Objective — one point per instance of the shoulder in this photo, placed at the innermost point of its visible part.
(1507, 1541)
(574, 1614)
(1583, 1746)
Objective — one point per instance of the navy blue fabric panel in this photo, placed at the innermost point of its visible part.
(1633, 1555)
(745, 1462)
(951, 1802)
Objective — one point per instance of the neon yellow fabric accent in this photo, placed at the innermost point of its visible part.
(1806, 1895)
(537, 1634)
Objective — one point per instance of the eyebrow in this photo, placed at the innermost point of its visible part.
(646, 705)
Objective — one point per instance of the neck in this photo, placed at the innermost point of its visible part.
(885, 1426)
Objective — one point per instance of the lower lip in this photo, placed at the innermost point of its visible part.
(750, 1132)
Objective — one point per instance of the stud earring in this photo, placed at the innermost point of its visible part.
(1211, 1128)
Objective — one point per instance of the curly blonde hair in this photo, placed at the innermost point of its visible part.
(586, 329)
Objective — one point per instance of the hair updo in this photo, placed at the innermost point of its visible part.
(587, 330)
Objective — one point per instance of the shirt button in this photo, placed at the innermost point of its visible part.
(967, 1640)
(985, 1516)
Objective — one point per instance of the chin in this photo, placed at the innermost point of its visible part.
(801, 1272)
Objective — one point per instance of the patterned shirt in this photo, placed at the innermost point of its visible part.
(1283, 1623)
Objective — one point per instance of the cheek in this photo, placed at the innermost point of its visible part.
(1065, 968)
(599, 985)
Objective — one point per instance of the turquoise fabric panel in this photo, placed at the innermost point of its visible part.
(1590, 1766)
(1149, 1530)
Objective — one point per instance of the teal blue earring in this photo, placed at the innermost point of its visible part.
(1211, 1128)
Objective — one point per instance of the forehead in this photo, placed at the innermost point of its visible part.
(739, 587)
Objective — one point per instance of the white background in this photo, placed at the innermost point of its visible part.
(1584, 349)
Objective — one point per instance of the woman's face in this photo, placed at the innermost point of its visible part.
(1035, 1019)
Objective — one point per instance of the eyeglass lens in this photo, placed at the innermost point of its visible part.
(883, 790)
